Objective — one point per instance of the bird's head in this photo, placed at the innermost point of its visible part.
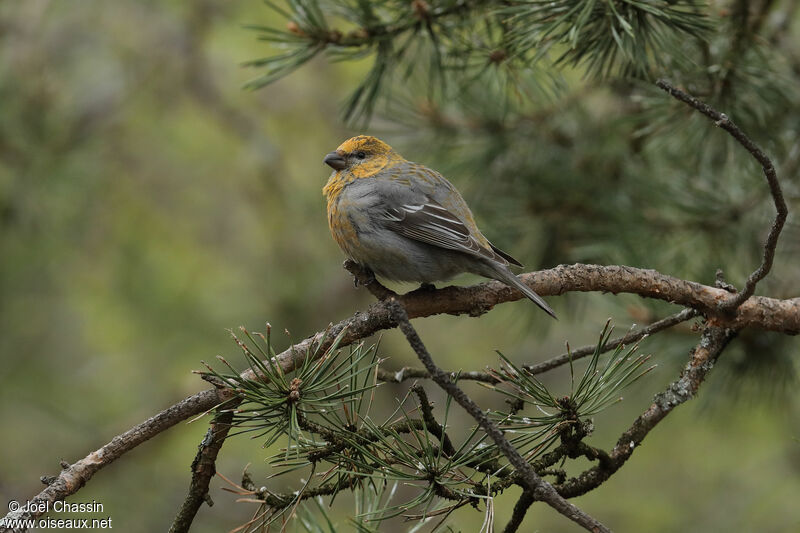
(362, 156)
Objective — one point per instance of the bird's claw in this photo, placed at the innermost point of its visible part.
(362, 275)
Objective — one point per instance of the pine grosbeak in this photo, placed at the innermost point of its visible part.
(406, 222)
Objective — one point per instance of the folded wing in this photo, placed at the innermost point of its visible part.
(431, 223)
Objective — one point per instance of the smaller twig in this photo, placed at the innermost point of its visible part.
(558, 473)
(363, 437)
(544, 464)
(520, 510)
(713, 341)
(408, 372)
(720, 283)
(539, 488)
(282, 501)
(432, 424)
(724, 122)
(203, 469)
(628, 338)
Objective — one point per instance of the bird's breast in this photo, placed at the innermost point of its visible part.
(341, 225)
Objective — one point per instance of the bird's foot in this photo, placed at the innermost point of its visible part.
(426, 287)
(362, 275)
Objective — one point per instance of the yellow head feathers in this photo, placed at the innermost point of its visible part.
(360, 157)
(365, 143)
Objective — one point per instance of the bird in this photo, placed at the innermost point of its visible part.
(406, 222)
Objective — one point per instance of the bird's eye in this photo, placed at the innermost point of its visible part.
(361, 155)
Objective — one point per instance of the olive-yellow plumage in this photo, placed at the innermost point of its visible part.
(405, 221)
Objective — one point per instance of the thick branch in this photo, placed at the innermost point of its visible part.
(540, 489)
(758, 312)
(722, 120)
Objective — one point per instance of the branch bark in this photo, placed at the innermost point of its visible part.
(713, 341)
(758, 312)
(203, 469)
(540, 489)
(520, 510)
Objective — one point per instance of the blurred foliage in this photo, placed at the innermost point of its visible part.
(452, 42)
(147, 203)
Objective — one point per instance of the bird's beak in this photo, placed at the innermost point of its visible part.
(335, 160)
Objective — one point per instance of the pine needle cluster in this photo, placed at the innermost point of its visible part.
(333, 438)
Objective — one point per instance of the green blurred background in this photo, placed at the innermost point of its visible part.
(148, 203)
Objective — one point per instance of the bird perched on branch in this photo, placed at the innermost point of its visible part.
(406, 222)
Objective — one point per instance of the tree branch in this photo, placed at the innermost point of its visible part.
(722, 120)
(75, 476)
(713, 341)
(628, 338)
(520, 510)
(408, 372)
(757, 312)
(540, 489)
(432, 425)
(203, 469)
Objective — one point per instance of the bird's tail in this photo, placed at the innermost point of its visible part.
(508, 277)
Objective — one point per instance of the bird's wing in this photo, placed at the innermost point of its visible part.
(431, 223)
(505, 256)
